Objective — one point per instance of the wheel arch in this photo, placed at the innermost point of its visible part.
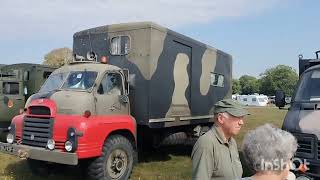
(126, 138)
(127, 134)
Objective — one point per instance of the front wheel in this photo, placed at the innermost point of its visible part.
(116, 161)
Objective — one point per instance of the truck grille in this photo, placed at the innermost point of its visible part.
(59, 145)
(40, 110)
(307, 148)
(37, 131)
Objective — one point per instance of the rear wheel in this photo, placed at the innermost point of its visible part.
(116, 162)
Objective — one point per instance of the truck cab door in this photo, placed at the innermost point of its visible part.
(110, 96)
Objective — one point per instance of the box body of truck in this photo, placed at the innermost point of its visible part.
(177, 80)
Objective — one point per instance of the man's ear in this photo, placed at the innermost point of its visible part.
(220, 118)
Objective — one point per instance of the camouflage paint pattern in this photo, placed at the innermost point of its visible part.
(309, 122)
(171, 73)
(37, 75)
(154, 59)
(302, 116)
(303, 120)
(179, 104)
(209, 60)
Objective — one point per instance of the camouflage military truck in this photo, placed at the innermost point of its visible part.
(302, 119)
(17, 83)
(129, 85)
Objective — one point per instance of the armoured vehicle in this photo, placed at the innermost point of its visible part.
(17, 83)
(130, 85)
(302, 118)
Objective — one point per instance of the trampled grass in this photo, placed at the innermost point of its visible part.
(171, 163)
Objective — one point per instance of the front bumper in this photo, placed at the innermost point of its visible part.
(24, 152)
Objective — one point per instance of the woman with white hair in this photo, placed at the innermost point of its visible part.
(268, 151)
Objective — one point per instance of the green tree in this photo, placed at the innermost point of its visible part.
(58, 57)
(249, 84)
(281, 77)
(236, 87)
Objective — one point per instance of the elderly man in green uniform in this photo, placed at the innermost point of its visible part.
(215, 154)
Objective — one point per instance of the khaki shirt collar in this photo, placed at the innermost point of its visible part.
(220, 136)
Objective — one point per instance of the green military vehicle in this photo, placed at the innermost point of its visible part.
(130, 85)
(17, 83)
(302, 118)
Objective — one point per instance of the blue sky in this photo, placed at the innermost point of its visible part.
(259, 34)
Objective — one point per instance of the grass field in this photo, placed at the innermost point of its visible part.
(166, 163)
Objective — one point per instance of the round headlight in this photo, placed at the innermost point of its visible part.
(50, 144)
(10, 138)
(68, 146)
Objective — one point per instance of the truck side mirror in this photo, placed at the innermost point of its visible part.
(132, 80)
(129, 80)
(280, 99)
(126, 83)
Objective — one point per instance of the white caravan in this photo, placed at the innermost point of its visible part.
(252, 100)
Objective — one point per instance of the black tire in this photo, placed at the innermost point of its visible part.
(3, 136)
(39, 168)
(178, 138)
(116, 162)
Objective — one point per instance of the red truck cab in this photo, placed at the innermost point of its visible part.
(81, 109)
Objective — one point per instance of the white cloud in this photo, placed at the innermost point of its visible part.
(54, 18)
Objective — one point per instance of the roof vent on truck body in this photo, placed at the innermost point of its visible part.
(304, 64)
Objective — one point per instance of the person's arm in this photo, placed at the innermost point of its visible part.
(202, 162)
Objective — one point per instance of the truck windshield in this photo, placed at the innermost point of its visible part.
(309, 87)
(81, 80)
(54, 82)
